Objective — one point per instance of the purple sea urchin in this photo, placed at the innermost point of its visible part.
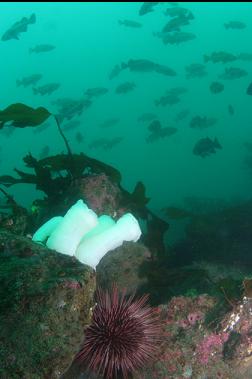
(121, 337)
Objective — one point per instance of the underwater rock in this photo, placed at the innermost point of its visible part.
(45, 305)
(99, 192)
(223, 235)
(121, 266)
(16, 219)
(238, 322)
(16, 223)
(105, 196)
(184, 331)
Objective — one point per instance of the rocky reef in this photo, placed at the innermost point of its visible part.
(200, 289)
(45, 305)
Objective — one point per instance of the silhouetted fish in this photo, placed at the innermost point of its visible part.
(147, 7)
(220, 56)
(216, 87)
(18, 27)
(206, 146)
(195, 70)
(233, 73)
(29, 80)
(47, 89)
(41, 49)
(199, 122)
(125, 87)
(246, 57)
(235, 25)
(115, 71)
(130, 23)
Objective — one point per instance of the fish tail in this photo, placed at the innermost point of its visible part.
(226, 26)
(206, 58)
(35, 90)
(120, 22)
(32, 19)
(18, 83)
(31, 50)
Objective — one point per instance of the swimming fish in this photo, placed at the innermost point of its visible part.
(41, 49)
(235, 25)
(125, 87)
(130, 23)
(216, 87)
(206, 146)
(47, 89)
(19, 27)
(29, 80)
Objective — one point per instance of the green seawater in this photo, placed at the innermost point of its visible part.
(89, 42)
